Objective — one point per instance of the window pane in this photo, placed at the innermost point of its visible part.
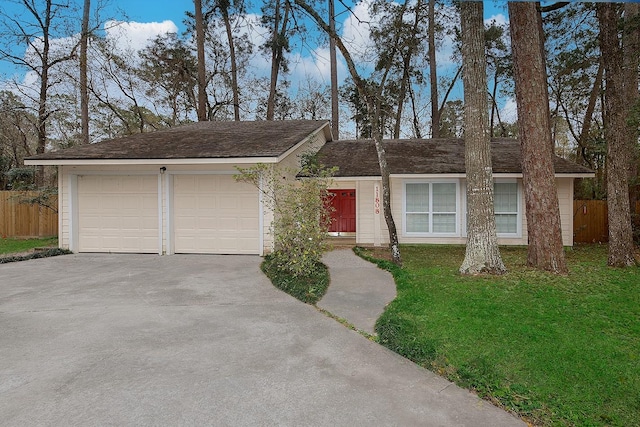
(444, 223)
(417, 223)
(506, 223)
(444, 197)
(417, 197)
(505, 197)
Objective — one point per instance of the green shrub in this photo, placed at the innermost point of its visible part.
(308, 288)
(301, 214)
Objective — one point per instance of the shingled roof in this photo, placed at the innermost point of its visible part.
(426, 156)
(199, 140)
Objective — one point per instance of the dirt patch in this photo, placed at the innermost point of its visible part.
(33, 254)
(378, 252)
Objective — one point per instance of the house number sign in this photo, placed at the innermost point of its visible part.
(376, 200)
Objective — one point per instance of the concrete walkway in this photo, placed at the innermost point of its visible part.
(359, 290)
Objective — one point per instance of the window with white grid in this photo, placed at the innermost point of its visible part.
(505, 195)
(431, 207)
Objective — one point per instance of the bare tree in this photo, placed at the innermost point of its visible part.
(545, 249)
(39, 22)
(482, 252)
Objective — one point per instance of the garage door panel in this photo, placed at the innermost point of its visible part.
(215, 214)
(118, 213)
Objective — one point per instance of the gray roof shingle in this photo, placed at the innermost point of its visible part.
(198, 140)
(426, 156)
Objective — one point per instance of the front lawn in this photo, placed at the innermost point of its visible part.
(10, 246)
(556, 350)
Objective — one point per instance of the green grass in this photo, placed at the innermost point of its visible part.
(308, 289)
(556, 350)
(10, 246)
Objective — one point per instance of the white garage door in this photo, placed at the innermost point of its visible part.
(214, 214)
(118, 214)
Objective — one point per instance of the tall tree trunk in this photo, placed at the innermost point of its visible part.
(407, 56)
(631, 54)
(373, 111)
(277, 55)
(401, 97)
(202, 77)
(545, 249)
(588, 114)
(482, 253)
(84, 91)
(619, 148)
(234, 65)
(433, 76)
(494, 105)
(43, 114)
(335, 111)
(414, 112)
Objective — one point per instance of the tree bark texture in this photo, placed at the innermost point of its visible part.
(433, 76)
(84, 91)
(234, 65)
(631, 54)
(335, 109)
(43, 114)
(588, 114)
(482, 253)
(545, 249)
(619, 148)
(277, 54)
(202, 78)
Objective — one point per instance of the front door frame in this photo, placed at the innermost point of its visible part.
(343, 226)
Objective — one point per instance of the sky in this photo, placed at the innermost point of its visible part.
(141, 20)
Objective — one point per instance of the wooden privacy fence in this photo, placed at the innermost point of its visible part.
(24, 220)
(590, 221)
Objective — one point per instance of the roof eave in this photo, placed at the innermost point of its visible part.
(172, 161)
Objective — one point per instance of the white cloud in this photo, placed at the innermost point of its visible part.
(499, 19)
(134, 36)
(316, 66)
(509, 111)
(356, 33)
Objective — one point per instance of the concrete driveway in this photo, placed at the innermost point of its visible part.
(197, 340)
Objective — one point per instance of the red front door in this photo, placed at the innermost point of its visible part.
(344, 215)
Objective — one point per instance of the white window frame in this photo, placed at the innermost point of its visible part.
(431, 233)
(518, 232)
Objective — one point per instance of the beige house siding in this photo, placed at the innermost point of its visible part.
(371, 229)
(291, 161)
(565, 200)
